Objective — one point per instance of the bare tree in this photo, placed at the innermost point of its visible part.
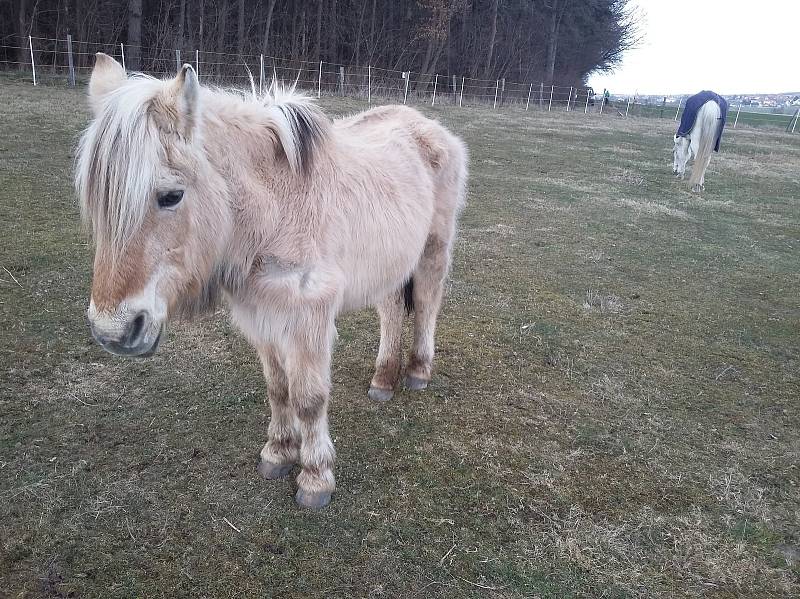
(134, 35)
(557, 9)
(558, 41)
(267, 26)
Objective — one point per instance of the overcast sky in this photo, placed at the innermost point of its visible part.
(728, 46)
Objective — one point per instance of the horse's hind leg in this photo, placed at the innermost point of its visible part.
(703, 166)
(282, 450)
(387, 365)
(429, 280)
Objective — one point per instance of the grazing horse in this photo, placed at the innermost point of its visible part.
(195, 195)
(699, 133)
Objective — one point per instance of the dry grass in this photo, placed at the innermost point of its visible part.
(614, 411)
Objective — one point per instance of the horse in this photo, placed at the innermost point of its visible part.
(699, 133)
(197, 196)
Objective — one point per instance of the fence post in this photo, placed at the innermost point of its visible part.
(796, 117)
(461, 95)
(197, 63)
(319, 81)
(586, 108)
(541, 94)
(341, 81)
(69, 61)
(502, 91)
(369, 84)
(406, 76)
(122, 52)
(528, 103)
(550, 105)
(177, 60)
(631, 101)
(496, 89)
(33, 63)
(603, 101)
(455, 88)
(736, 120)
(435, 83)
(677, 112)
(261, 74)
(569, 97)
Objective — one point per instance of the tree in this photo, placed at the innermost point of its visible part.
(133, 62)
(556, 10)
(557, 41)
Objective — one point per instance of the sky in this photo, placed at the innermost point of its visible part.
(728, 46)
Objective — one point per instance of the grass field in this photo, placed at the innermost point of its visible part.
(614, 412)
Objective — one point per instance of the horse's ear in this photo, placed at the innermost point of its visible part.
(183, 94)
(107, 75)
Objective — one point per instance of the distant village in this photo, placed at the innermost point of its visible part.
(762, 100)
(776, 102)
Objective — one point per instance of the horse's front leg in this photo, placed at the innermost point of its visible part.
(282, 450)
(308, 371)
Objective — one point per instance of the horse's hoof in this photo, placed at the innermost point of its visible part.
(415, 384)
(314, 501)
(376, 394)
(272, 471)
(697, 188)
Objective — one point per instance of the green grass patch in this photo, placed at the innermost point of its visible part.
(614, 410)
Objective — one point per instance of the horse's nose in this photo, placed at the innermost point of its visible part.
(135, 329)
(128, 336)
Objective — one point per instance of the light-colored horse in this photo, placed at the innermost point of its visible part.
(194, 195)
(698, 145)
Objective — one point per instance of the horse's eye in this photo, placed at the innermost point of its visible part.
(170, 199)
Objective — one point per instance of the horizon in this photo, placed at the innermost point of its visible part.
(743, 50)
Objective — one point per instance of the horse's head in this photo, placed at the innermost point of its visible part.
(155, 208)
(681, 153)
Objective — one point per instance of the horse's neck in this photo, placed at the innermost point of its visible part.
(273, 211)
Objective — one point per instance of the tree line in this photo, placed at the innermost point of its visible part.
(554, 41)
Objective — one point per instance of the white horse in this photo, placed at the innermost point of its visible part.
(698, 143)
(195, 195)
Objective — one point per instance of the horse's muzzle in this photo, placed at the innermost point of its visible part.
(135, 341)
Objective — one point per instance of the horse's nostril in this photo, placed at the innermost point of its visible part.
(136, 329)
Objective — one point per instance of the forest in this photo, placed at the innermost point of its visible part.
(553, 41)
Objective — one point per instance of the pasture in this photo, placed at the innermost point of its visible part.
(613, 412)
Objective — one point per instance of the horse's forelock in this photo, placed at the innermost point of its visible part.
(115, 167)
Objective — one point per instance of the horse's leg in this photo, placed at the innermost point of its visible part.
(282, 450)
(308, 371)
(703, 166)
(387, 365)
(428, 289)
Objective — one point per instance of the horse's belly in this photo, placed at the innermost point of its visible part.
(378, 269)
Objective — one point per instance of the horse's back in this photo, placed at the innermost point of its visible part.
(436, 145)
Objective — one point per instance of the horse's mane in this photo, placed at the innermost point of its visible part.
(301, 126)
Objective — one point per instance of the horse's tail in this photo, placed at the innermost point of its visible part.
(708, 123)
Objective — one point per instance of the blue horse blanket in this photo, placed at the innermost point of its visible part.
(693, 105)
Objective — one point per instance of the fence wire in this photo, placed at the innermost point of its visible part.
(49, 60)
